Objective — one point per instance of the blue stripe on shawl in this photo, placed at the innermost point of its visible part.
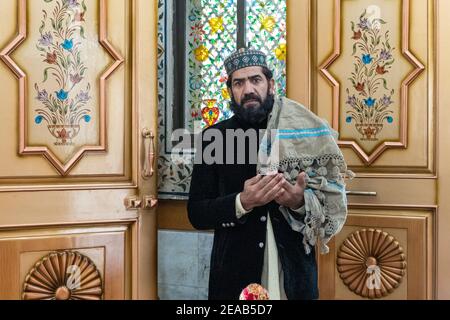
(309, 130)
(305, 135)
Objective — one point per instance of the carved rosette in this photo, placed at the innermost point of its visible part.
(371, 263)
(63, 276)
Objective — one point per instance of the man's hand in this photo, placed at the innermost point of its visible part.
(261, 190)
(292, 196)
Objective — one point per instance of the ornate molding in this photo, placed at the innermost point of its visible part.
(371, 263)
(63, 276)
(5, 56)
(368, 159)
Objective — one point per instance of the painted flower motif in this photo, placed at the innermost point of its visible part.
(72, 3)
(216, 24)
(46, 39)
(367, 58)
(62, 95)
(51, 58)
(281, 52)
(381, 70)
(79, 17)
(195, 83)
(360, 86)
(197, 32)
(351, 100)
(223, 78)
(386, 101)
(357, 35)
(367, 107)
(268, 23)
(364, 24)
(370, 102)
(83, 97)
(201, 53)
(75, 78)
(42, 96)
(225, 94)
(68, 44)
(38, 119)
(195, 114)
(385, 55)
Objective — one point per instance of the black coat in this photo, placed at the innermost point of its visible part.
(238, 250)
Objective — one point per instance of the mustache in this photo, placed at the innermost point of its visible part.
(249, 97)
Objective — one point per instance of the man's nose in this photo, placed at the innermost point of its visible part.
(248, 87)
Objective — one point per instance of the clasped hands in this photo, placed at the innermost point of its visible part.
(260, 190)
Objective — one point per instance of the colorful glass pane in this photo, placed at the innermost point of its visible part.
(211, 33)
(266, 31)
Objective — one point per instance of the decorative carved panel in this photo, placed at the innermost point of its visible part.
(371, 70)
(63, 276)
(381, 253)
(62, 95)
(371, 263)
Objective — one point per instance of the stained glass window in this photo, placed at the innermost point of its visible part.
(195, 37)
(266, 31)
(212, 28)
(211, 32)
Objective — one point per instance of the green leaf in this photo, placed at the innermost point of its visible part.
(82, 32)
(385, 84)
(46, 74)
(363, 14)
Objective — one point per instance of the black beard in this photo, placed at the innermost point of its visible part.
(254, 116)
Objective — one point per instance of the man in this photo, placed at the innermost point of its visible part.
(253, 243)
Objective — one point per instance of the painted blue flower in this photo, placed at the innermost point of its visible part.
(68, 44)
(349, 119)
(38, 119)
(390, 119)
(195, 84)
(62, 95)
(87, 118)
(370, 102)
(367, 58)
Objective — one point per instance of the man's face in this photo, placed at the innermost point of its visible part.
(250, 87)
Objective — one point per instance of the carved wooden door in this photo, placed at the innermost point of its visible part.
(77, 217)
(368, 68)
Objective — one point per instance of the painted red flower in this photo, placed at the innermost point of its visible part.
(360, 87)
(79, 17)
(357, 35)
(381, 70)
(51, 58)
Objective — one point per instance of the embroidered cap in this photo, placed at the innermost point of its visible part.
(243, 58)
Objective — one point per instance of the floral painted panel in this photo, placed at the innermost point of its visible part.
(371, 69)
(266, 31)
(370, 97)
(64, 109)
(63, 94)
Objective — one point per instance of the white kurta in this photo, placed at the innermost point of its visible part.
(272, 275)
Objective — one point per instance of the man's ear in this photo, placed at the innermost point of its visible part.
(272, 86)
